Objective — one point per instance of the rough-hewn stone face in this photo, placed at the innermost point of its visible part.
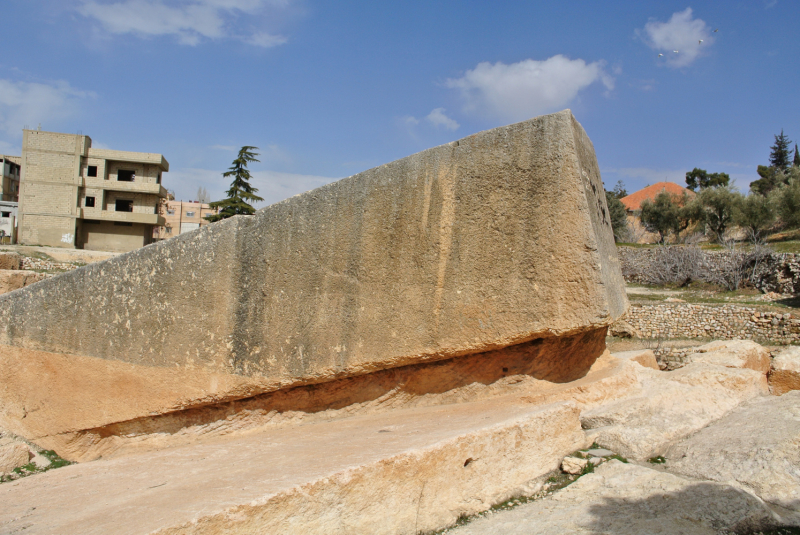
(497, 239)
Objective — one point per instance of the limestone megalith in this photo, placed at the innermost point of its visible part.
(501, 238)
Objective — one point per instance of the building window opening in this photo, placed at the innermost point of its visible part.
(6, 214)
(158, 179)
(91, 170)
(170, 211)
(89, 202)
(122, 205)
(189, 214)
(124, 175)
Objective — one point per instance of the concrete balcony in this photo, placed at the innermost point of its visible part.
(128, 187)
(123, 217)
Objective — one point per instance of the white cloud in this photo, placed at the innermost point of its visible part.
(273, 186)
(681, 33)
(651, 176)
(31, 103)
(190, 21)
(227, 148)
(438, 118)
(528, 88)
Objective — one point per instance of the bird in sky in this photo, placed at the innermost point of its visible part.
(675, 51)
(660, 55)
(715, 31)
(700, 41)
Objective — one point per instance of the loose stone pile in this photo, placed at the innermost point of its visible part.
(682, 320)
(38, 264)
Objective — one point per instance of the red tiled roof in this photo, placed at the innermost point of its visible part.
(634, 200)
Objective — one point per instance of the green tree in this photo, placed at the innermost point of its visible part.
(660, 215)
(718, 207)
(796, 161)
(241, 193)
(779, 157)
(619, 190)
(788, 200)
(700, 178)
(618, 216)
(771, 178)
(688, 212)
(756, 214)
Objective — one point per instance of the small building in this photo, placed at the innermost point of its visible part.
(181, 217)
(11, 168)
(633, 207)
(8, 222)
(75, 196)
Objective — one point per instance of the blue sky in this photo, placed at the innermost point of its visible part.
(329, 89)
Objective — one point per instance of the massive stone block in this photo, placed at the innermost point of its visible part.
(497, 239)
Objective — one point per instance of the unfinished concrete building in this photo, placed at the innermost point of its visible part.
(182, 217)
(10, 167)
(75, 196)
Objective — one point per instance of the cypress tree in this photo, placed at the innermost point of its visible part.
(779, 157)
(796, 157)
(240, 191)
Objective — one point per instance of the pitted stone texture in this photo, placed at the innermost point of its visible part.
(669, 407)
(757, 444)
(645, 357)
(733, 354)
(497, 239)
(405, 472)
(784, 373)
(624, 499)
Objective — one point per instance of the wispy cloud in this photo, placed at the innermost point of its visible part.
(522, 90)
(190, 21)
(31, 103)
(681, 39)
(438, 118)
(274, 186)
(651, 175)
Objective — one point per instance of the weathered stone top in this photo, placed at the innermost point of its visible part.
(496, 239)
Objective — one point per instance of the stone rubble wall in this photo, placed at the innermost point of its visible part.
(720, 322)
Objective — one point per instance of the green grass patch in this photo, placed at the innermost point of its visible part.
(31, 468)
(658, 459)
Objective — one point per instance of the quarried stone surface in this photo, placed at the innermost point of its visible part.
(14, 279)
(644, 357)
(404, 472)
(733, 354)
(626, 499)
(10, 260)
(669, 406)
(784, 373)
(13, 454)
(500, 239)
(757, 444)
(151, 406)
